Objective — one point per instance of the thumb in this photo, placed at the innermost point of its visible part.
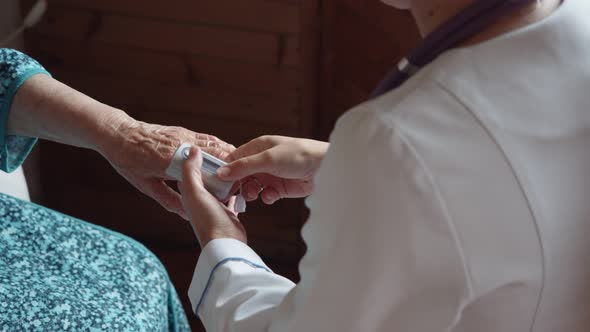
(191, 168)
(244, 167)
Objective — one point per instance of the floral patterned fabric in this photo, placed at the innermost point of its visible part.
(15, 69)
(58, 273)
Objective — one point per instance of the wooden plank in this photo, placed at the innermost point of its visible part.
(350, 91)
(289, 52)
(148, 96)
(326, 121)
(330, 115)
(71, 24)
(362, 41)
(204, 40)
(362, 52)
(103, 58)
(398, 24)
(172, 37)
(86, 168)
(263, 15)
(125, 62)
(310, 55)
(280, 81)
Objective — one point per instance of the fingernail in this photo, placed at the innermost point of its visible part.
(223, 171)
(252, 193)
(270, 198)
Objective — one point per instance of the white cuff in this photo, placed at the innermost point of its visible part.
(215, 254)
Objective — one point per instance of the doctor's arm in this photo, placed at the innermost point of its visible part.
(36, 105)
(381, 254)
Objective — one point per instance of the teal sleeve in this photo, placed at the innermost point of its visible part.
(15, 69)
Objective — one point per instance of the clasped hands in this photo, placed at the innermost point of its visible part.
(282, 167)
(269, 167)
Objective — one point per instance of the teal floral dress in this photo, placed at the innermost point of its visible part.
(58, 273)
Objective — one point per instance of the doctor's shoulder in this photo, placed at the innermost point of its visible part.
(419, 97)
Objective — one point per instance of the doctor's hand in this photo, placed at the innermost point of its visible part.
(141, 153)
(275, 167)
(210, 218)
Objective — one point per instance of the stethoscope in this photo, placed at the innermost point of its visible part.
(452, 33)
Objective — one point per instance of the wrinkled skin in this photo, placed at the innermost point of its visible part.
(144, 151)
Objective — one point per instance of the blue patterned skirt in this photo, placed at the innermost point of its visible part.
(58, 273)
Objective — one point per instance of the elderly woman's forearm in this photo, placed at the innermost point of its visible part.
(49, 109)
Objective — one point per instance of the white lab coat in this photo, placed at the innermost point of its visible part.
(459, 202)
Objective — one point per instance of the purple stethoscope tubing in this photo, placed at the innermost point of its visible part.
(464, 25)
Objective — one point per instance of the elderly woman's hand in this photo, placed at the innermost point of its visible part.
(141, 152)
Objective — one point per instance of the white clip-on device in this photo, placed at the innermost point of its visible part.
(217, 187)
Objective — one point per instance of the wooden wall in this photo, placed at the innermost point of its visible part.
(362, 40)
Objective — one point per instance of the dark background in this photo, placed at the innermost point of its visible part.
(236, 69)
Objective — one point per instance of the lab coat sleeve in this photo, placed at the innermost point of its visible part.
(382, 251)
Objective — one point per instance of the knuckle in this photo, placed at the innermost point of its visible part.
(213, 138)
(243, 163)
(266, 139)
(267, 157)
